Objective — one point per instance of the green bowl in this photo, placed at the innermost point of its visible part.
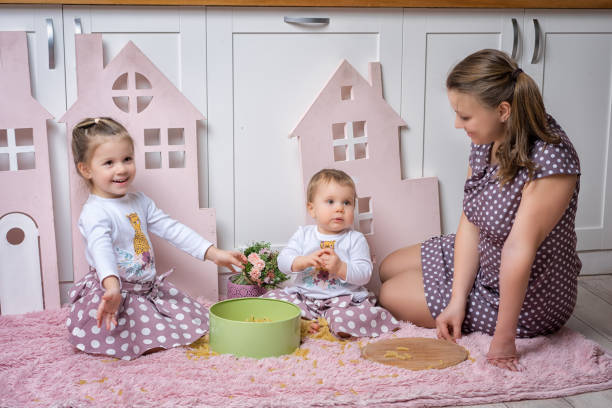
(232, 333)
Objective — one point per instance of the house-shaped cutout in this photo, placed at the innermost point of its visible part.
(28, 257)
(162, 122)
(351, 127)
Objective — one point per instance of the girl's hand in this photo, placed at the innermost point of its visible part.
(333, 264)
(226, 258)
(107, 310)
(502, 353)
(448, 323)
(302, 262)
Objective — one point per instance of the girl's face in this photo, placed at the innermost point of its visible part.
(482, 124)
(111, 168)
(333, 207)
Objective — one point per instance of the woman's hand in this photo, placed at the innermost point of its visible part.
(225, 258)
(448, 323)
(107, 309)
(502, 352)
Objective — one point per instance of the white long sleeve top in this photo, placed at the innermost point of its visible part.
(116, 231)
(350, 246)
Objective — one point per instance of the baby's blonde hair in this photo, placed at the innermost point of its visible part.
(326, 176)
(90, 133)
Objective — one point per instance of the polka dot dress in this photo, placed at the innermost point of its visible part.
(552, 288)
(343, 315)
(151, 315)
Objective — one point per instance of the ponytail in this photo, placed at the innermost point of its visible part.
(493, 77)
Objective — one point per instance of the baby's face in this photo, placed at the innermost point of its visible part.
(333, 207)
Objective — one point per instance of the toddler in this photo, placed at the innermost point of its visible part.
(331, 263)
(121, 293)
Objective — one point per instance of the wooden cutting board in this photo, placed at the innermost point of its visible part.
(415, 353)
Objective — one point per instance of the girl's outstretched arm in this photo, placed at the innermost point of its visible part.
(225, 258)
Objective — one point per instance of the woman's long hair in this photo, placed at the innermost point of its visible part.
(493, 77)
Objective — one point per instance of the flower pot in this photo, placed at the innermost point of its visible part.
(235, 290)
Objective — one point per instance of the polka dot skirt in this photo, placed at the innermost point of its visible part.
(552, 288)
(362, 319)
(152, 315)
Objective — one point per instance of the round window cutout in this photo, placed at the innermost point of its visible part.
(15, 236)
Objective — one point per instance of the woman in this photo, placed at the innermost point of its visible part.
(511, 269)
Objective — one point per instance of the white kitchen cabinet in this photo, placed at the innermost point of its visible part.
(434, 41)
(253, 76)
(263, 74)
(43, 25)
(569, 54)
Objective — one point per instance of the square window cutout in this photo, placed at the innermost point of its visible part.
(152, 160)
(176, 159)
(151, 137)
(339, 153)
(3, 138)
(26, 161)
(176, 136)
(24, 137)
(338, 131)
(363, 203)
(359, 129)
(366, 226)
(361, 151)
(5, 162)
(346, 92)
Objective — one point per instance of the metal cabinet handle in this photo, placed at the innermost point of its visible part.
(306, 20)
(538, 40)
(78, 27)
(51, 43)
(515, 39)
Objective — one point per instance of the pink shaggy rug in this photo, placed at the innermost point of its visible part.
(38, 367)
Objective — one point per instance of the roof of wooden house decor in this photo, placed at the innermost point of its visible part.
(347, 91)
(99, 84)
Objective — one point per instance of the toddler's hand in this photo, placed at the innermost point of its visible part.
(302, 262)
(107, 310)
(333, 264)
(226, 258)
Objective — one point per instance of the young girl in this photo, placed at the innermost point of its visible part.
(511, 270)
(332, 262)
(140, 312)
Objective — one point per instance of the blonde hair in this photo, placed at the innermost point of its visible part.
(493, 77)
(90, 133)
(326, 176)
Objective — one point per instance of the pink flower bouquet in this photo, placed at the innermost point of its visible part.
(261, 268)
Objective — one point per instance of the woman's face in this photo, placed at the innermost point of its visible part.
(482, 124)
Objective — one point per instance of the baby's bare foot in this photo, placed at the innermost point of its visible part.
(314, 327)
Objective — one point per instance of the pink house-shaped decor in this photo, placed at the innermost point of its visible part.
(351, 127)
(28, 258)
(162, 122)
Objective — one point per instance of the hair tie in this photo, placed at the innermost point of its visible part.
(515, 74)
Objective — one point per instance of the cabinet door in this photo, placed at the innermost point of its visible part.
(263, 74)
(569, 53)
(43, 25)
(434, 41)
(173, 38)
